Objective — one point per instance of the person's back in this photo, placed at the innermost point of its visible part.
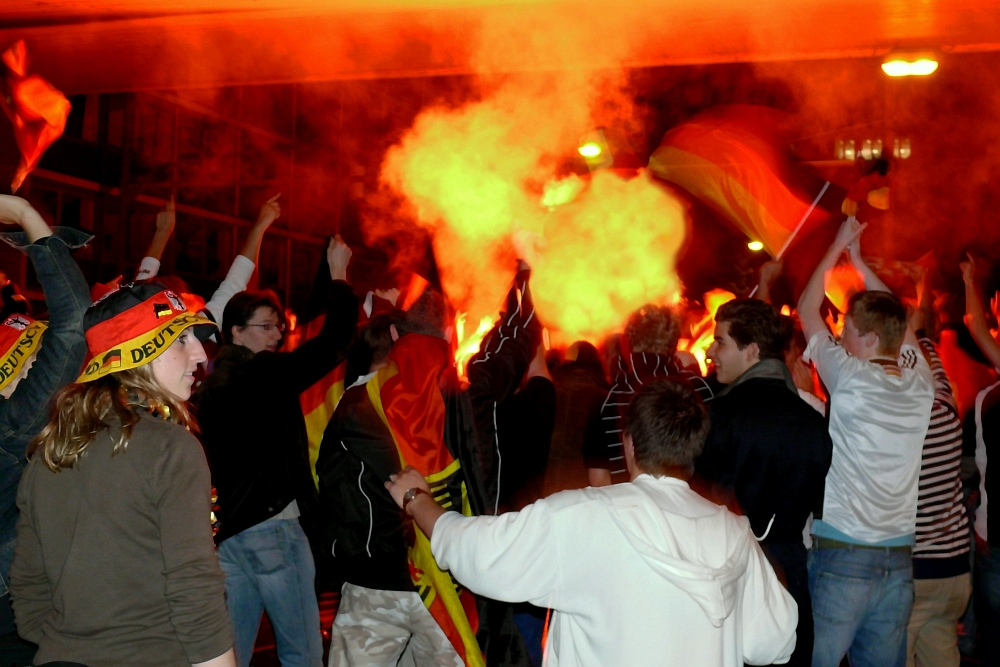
(879, 413)
(881, 391)
(643, 573)
(105, 528)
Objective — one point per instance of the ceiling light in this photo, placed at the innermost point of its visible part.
(756, 246)
(909, 66)
(590, 149)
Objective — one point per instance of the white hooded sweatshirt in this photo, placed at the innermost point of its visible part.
(647, 573)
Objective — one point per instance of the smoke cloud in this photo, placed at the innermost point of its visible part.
(475, 176)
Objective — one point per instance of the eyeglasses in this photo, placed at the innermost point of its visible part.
(269, 327)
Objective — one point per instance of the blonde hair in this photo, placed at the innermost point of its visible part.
(80, 410)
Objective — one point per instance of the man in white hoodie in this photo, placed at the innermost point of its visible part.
(645, 573)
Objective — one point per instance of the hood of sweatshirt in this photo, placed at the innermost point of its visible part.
(701, 548)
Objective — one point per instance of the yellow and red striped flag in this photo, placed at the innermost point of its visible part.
(730, 158)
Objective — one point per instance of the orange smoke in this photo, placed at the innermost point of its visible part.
(476, 178)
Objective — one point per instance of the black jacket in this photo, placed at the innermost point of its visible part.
(252, 424)
(366, 532)
(768, 451)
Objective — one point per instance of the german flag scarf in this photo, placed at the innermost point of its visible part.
(407, 397)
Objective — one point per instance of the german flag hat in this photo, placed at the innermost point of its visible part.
(19, 338)
(134, 324)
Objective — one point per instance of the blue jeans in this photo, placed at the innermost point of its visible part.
(269, 567)
(986, 593)
(861, 604)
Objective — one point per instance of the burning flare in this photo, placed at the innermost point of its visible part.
(477, 176)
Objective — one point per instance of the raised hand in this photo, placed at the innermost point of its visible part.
(968, 269)
(338, 255)
(167, 218)
(269, 212)
(17, 211)
(770, 271)
(13, 209)
(848, 234)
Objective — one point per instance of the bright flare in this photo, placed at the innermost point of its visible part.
(703, 333)
(756, 246)
(474, 178)
(590, 150)
(921, 67)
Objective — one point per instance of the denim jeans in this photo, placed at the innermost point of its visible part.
(987, 601)
(861, 603)
(269, 567)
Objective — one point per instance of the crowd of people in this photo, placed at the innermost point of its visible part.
(813, 497)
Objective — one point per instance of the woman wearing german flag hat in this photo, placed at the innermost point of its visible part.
(114, 563)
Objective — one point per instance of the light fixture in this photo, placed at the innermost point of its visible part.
(902, 64)
(594, 148)
(756, 246)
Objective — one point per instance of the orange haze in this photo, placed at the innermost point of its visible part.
(475, 177)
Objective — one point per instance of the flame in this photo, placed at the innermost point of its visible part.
(480, 175)
(703, 333)
(466, 348)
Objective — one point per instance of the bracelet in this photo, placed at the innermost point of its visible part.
(411, 495)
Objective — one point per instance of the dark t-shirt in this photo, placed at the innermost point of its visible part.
(524, 432)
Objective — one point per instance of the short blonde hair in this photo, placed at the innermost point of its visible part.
(654, 329)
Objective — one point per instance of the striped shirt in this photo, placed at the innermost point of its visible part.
(603, 447)
(942, 524)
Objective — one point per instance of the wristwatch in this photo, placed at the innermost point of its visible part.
(411, 494)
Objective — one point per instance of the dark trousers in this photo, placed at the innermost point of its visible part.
(986, 593)
(789, 559)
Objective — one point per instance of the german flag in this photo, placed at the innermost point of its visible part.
(731, 159)
(407, 397)
(112, 359)
(318, 403)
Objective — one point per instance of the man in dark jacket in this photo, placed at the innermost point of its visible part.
(255, 437)
(768, 451)
(53, 362)
(411, 410)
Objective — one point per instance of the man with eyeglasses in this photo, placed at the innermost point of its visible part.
(255, 437)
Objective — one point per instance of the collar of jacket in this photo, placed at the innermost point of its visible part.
(765, 369)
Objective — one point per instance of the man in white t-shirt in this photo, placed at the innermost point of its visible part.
(641, 573)
(881, 391)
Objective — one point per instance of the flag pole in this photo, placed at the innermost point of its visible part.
(798, 227)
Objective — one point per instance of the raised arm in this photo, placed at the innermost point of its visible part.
(269, 212)
(975, 314)
(243, 266)
(63, 346)
(165, 222)
(874, 284)
(307, 364)
(769, 272)
(812, 297)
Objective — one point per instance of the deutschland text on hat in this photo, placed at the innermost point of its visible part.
(132, 326)
(19, 338)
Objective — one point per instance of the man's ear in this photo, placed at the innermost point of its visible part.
(871, 339)
(752, 351)
(393, 333)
